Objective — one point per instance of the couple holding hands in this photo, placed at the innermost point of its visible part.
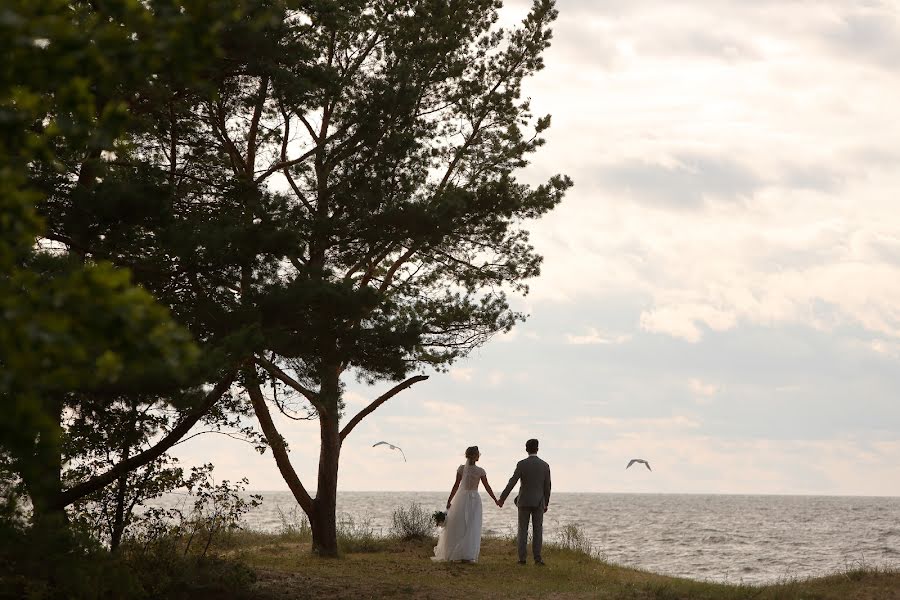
(461, 538)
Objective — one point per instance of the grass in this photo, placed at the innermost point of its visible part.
(390, 567)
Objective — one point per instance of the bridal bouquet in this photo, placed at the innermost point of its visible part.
(439, 517)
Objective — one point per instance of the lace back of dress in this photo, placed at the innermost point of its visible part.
(471, 475)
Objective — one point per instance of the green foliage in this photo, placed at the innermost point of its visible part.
(43, 563)
(337, 195)
(69, 565)
(412, 523)
(71, 323)
(217, 510)
(113, 512)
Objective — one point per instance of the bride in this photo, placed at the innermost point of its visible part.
(461, 537)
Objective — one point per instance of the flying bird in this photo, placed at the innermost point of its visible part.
(639, 460)
(392, 447)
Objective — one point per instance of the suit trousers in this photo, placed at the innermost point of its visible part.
(535, 514)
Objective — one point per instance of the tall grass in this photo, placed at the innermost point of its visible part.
(571, 537)
(412, 523)
(358, 535)
(294, 525)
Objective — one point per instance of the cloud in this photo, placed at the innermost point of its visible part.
(445, 409)
(702, 389)
(462, 374)
(870, 34)
(639, 424)
(496, 378)
(684, 182)
(353, 398)
(735, 211)
(594, 336)
(685, 320)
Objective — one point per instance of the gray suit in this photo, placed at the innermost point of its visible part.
(533, 498)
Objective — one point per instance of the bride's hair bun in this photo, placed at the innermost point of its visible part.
(472, 452)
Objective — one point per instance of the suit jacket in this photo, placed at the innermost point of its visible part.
(535, 488)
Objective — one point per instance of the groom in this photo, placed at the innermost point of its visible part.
(533, 499)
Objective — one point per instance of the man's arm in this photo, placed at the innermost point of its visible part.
(547, 488)
(512, 482)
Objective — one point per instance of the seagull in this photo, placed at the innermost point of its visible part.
(639, 460)
(392, 447)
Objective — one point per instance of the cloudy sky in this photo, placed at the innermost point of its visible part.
(721, 289)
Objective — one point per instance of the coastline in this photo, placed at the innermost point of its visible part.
(393, 568)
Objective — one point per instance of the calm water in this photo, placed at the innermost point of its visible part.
(754, 539)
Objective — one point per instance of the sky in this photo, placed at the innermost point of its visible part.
(720, 293)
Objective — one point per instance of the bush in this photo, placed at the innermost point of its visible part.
(218, 508)
(45, 564)
(174, 576)
(412, 523)
(571, 537)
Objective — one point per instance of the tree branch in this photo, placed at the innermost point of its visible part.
(397, 264)
(286, 170)
(279, 451)
(138, 460)
(273, 369)
(378, 402)
(254, 125)
(284, 164)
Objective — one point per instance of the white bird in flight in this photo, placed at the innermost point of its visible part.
(639, 460)
(392, 447)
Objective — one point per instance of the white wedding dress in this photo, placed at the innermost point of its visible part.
(461, 536)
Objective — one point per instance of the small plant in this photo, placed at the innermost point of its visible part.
(411, 523)
(217, 509)
(572, 538)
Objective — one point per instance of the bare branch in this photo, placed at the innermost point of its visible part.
(287, 172)
(386, 282)
(378, 402)
(254, 125)
(284, 164)
(273, 369)
(279, 450)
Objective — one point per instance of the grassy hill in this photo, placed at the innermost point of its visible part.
(386, 568)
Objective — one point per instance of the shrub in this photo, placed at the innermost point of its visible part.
(218, 508)
(412, 523)
(571, 537)
(41, 564)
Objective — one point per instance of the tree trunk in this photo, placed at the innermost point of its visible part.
(118, 527)
(324, 520)
(42, 474)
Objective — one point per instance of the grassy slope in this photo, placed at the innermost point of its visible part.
(286, 569)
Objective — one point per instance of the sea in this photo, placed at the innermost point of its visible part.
(721, 538)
